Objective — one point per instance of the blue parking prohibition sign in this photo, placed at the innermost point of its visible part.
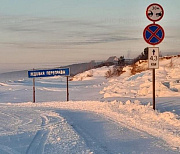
(153, 34)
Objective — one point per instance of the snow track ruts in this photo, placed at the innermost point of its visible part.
(38, 143)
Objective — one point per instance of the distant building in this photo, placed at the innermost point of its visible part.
(112, 59)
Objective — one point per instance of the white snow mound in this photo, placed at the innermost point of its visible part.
(140, 84)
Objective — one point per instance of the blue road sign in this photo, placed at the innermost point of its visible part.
(153, 34)
(49, 73)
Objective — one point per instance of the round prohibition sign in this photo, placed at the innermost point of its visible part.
(153, 34)
(154, 12)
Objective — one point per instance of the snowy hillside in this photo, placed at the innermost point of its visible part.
(140, 84)
(104, 115)
(92, 74)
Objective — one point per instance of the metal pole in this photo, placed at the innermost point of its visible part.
(33, 90)
(67, 90)
(153, 76)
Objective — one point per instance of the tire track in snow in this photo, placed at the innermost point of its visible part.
(38, 143)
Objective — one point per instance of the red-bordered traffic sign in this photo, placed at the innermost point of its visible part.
(153, 34)
(154, 12)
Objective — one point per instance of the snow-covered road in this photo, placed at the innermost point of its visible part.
(26, 130)
(103, 135)
(32, 129)
(53, 128)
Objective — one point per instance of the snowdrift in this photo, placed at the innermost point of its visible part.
(140, 84)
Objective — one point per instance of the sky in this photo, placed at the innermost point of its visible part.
(48, 33)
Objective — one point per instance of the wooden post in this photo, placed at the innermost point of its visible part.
(67, 90)
(34, 90)
(153, 76)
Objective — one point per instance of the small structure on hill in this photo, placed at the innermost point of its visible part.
(113, 60)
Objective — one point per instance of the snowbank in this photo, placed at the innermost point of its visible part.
(140, 84)
(91, 74)
(3, 84)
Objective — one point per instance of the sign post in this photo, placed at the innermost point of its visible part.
(154, 89)
(153, 63)
(67, 89)
(49, 73)
(154, 34)
(34, 100)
